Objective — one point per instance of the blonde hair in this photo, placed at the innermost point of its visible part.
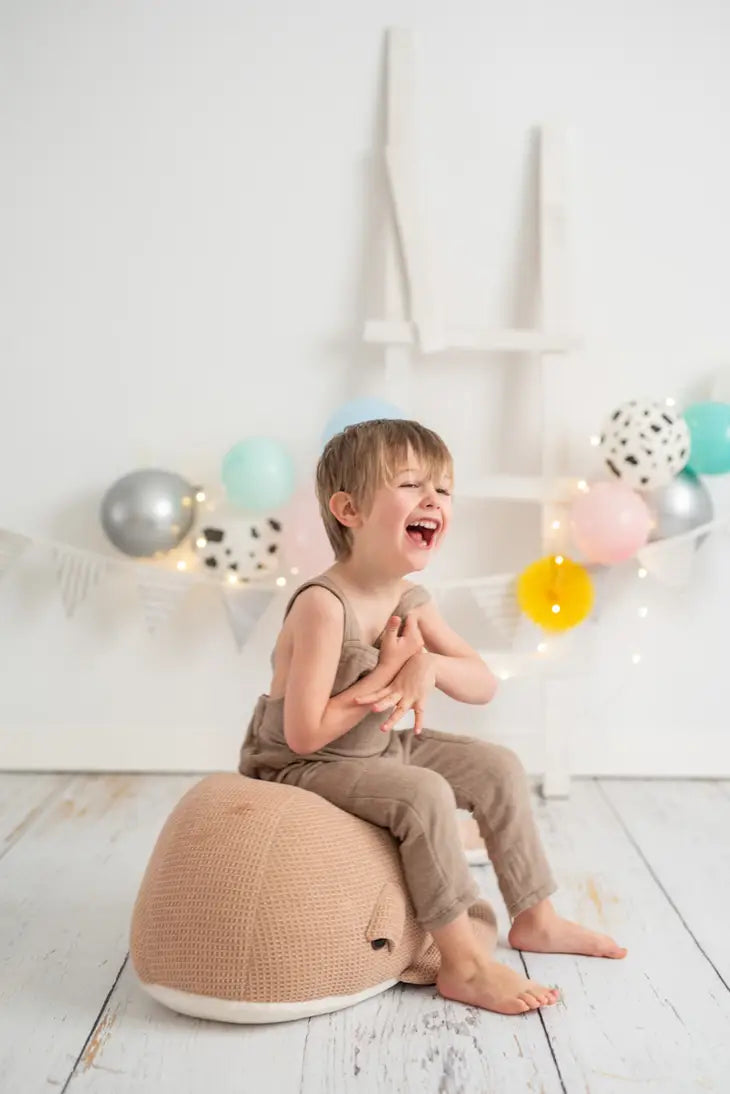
(368, 455)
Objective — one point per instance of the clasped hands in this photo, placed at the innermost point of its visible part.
(407, 664)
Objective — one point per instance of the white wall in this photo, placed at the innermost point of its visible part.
(191, 206)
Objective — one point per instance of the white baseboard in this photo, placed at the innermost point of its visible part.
(623, 753)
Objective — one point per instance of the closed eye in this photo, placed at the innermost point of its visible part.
(417, 485)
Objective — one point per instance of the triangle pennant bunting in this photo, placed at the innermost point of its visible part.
(12, 546)
(670, 563)
(160, 597)
(77, 572)
(244, 608)
(497, 599)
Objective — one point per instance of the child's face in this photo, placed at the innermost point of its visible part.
(408, 519)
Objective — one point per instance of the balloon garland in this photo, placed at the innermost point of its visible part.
(654, 456)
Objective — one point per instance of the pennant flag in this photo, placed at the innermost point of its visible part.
(160, 595)
(12, 546)
(669, 562)
(245, 607)
(497, 598)
(77, 572)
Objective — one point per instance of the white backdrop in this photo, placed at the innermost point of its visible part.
(191, 211)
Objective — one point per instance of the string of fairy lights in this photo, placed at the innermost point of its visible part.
(544, 646)
(546, 643)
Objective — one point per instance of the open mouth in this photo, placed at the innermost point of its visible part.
(423, 532)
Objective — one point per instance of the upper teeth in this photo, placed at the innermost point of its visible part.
(432, 524)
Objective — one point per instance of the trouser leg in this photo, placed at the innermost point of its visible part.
(489, 781)
(418, 807)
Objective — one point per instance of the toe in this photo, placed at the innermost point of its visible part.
(532, 1001)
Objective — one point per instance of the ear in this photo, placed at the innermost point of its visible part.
(388, 918)
(343, 508)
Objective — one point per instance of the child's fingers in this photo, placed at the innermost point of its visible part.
(391, 630)
(402, 708)
(374, 696)
(418, 724)
(388, 701)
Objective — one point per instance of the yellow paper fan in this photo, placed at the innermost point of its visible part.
(555, 592)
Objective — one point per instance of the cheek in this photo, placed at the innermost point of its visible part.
(396, 510)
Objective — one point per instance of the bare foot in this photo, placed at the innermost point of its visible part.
(542, 930)
(495, 987)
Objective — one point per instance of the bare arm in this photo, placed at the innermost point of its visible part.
(460, 671)
(311, 718)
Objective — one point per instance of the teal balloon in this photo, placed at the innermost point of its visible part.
(359, 410)
(709, 431)
(258, 474)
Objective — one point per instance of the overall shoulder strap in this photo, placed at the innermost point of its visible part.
(412, 598)
(351, 629)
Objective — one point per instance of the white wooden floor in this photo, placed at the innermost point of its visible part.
(648, 861)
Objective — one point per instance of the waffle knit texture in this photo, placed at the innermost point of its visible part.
(264, 892)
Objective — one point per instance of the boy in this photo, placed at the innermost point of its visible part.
(346, 671)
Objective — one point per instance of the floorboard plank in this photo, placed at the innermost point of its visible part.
(682, 828)
(139, 1046)
(74, 1017)
(657, 1021)
(23, 797)
(411, 1040)
(66, 893)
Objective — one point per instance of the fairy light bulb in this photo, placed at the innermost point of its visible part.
(201, 542)
(555, 609)
(635, 658)
(503, 674)
(670, 401)
(232, 579)
(200, 495)
(541, 647)
(182, 564)
(643, 611)
(641, 572)
(582, 486)
(595, 440)
(281, 581)
(294, 571)
(555, 525)
(559, 560)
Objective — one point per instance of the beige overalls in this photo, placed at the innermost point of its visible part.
(412, 785)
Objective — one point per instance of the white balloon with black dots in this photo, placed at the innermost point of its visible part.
(645, 443)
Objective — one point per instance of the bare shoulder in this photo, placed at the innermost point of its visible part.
(313, 628)
(316, 606)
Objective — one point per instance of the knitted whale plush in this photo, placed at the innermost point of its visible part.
(263, 902)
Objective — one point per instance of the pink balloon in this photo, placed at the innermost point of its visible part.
(610, 522)
(304, 541)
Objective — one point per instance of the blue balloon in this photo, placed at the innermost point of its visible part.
(258, 474)
(709, 431)
(359, 410)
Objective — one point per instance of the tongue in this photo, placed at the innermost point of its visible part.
(418, 536)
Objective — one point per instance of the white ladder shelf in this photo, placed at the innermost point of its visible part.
(412, 324)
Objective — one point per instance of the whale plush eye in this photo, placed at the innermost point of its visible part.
(378, 943)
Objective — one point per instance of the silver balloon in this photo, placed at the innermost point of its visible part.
(680, 506)
(148, 511)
